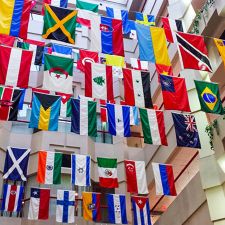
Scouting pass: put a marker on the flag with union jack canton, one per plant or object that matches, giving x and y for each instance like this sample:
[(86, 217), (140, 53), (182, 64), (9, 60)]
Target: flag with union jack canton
[(186, 130)]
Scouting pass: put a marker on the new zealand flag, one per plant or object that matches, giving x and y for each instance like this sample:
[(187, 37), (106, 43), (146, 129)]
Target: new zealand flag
[(186, 130)]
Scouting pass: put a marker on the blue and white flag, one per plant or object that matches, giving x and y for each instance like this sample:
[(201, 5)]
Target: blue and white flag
[(16, 162), (81, 170), (119, 120), (65, 206), (61, 50), (117, 209), (119, 14), (134, 116)]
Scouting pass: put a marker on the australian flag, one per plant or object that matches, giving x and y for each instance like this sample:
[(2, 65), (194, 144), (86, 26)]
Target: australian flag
[(186, 130)]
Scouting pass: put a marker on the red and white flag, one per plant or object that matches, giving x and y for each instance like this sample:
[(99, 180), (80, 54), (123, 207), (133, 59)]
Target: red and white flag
[(15, 66), (7, 40), (136, 177), (98, 81), (137, 64)]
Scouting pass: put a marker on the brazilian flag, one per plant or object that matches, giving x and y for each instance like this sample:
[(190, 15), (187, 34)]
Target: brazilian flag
[(209, 97), (45, 112), (59, 24)]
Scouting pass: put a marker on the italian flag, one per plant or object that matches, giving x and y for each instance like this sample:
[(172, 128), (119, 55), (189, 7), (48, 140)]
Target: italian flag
[(49, 167), (153, 126), (107, 170)]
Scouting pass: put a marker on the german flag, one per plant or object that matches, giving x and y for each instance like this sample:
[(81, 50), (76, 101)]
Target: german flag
[(59, 24), (45, 112)]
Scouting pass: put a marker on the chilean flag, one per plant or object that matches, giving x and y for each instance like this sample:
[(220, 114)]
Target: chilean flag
[(164, 179)]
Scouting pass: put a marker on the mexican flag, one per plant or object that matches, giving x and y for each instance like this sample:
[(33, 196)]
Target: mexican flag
[(107, 170), (58, 74)]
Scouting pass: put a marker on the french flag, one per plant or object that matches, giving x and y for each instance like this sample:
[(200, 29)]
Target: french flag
[(164, 179)]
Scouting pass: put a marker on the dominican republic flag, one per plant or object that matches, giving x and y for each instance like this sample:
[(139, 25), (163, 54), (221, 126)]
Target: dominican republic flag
[(12, 198), (121, 15), (193, 52), (15, 66), (137, 64), (164, 179), (58, 3), (7, 40), (141, 210), (84, 117), (39, 204), (136, 177), (137, 88), (81, 170), (65, 109), (117, 208), (170, 27), (16, 162), (99, 81), (153, 126), (107, 35), (119, 120), (65, 206), (174, 93)]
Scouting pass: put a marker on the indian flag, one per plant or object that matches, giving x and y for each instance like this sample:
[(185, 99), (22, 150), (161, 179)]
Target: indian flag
[(49, 167), (153, 126), (107, 170)]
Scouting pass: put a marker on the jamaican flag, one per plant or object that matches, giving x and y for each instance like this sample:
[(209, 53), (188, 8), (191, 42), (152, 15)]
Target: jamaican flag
[(59, 24), (45, 112)]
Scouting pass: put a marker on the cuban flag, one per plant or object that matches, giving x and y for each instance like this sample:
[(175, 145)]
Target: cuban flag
[(12, 198), (141, 210), (117, 209), (164, 179), (119, 120)]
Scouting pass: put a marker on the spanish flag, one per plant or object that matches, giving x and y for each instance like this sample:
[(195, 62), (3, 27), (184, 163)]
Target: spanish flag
[(45, 112), (91, 206)]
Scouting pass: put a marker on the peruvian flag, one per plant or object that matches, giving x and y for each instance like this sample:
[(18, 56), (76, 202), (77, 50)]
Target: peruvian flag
[(15, 66), (137, 64), (136, 177), (98, 81)]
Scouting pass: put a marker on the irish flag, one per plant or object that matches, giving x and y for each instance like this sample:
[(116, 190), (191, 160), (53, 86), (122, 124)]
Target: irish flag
[(49, 167), (153, 126), (107, 170)]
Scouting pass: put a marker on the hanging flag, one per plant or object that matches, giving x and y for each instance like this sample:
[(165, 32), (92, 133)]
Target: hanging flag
[(7, 40), (81, 170), (65, 108), (65, 206), (45, 112), (106, 35), (170, 27), (121, 15), (39, 204), (186, 130), (137, 64), (15, 16), (15, 66), (86, 56), (16, 162), (91, 206), (58, 3), (98, 81), (132, 30), (163, 69), (62, 51), (58, 74), (220, 44), (87, 6), (174, 93), (119, 120), (10, 99), (117, 209), (209, 97), (59, 24), (107, 171), (193, 52), (12, 198), (152, 45), (83, 17), (137, 88), (84, 117), (103, 110), (136, 177), (148, 20), (115, 60), (153, 126), (133, 114), (141, 210), (164, 179), (49, 167)]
